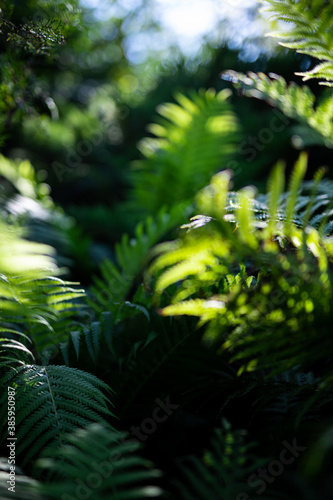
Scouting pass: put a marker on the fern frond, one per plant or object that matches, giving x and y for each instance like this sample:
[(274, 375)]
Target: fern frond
[(192, 142), (223, 470), (113, 459), (311, 32), (32, 301), (111, 290), (90, 335), (311, 208), (43, 307), (52, 400), (14, 351), (243, 316), (21, 264), (53, 305), (294, 101)]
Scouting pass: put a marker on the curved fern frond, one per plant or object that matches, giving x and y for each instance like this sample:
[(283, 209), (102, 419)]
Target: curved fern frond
[(13, 351), (101, 461), (311, 32), (20, 263), (50, 401), (33, 304), (42, 307), (294, 101), (118, 278), (59, 303), (192, 142)]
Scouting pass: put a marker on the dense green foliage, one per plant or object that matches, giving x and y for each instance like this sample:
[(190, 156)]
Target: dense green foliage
[(195, 361)]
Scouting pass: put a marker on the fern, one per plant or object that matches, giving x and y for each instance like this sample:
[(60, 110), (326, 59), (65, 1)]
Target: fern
[(51, 400), (42, 307), (34, 302), (25, 202), (63, 302), (222, 472), (244, 317), (191, 143), (101, 461), (295, 101), (95, 336), (286, 398), (96, 460), (311, 32), (118, 278), (12, 350), (21, 262), (312, 206)]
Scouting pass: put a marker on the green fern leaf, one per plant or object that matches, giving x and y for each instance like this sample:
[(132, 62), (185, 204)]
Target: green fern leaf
[(194, 139), (293, 100), (118, 278), (52, 400), (223, 470), (311, 33), (122, 474)]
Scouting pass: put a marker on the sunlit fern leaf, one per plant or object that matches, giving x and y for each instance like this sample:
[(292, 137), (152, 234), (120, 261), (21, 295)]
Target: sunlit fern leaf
[(52, 400), (55, 303), (20, 257), (25, 203), (110, 455), (22, 265), (244, 319), (245, 218), (306, 206), (310, 34), (33, 303), (195, 137), (22, 175), (12, 349)]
